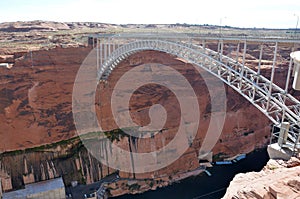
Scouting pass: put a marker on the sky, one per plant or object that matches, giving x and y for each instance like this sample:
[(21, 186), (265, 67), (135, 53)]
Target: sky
[(237, 13)]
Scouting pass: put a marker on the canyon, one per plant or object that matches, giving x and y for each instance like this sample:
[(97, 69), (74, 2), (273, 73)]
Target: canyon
[(38, 138)]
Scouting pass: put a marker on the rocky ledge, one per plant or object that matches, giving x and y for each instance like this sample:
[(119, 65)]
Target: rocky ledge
[(278, 179)]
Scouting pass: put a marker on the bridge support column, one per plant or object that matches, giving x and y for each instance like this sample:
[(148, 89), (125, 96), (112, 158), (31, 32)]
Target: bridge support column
[(237, 55), (203, 44), (280, 150), (272, 76), (243, 64), (109, 49), (283, 135), (105, 52), (97, 56), (221, 50), (259, 62), (101, 53)]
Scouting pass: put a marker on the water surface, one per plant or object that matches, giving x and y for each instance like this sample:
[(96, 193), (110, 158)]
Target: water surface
[(203, 186)]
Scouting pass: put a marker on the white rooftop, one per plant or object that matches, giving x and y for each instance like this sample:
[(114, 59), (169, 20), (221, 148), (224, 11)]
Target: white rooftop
[(34, 188)]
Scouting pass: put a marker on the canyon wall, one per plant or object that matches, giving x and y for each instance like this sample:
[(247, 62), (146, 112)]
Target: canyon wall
[(36, 97), (36, 109)]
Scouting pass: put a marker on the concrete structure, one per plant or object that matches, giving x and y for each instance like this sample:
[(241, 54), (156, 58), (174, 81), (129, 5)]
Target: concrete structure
[(284, 148), (277, 152), (42, 190), (296, 57), (283, 134)]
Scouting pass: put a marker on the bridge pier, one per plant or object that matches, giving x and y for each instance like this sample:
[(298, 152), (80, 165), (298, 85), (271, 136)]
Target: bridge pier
[(282, 149), (277, 152)]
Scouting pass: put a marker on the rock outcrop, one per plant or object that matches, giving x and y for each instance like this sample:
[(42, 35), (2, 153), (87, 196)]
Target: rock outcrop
[(278, 179)]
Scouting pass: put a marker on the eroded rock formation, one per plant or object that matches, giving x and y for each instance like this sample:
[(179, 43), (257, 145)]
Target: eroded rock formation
[(278, 179)]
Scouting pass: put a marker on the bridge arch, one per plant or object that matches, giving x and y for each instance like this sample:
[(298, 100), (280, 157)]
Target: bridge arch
[(269, 98)]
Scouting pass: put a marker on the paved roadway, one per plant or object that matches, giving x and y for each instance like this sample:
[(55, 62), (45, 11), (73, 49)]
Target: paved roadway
[(79, 191)]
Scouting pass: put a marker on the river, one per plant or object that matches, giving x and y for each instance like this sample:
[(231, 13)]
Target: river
[(203, 186)]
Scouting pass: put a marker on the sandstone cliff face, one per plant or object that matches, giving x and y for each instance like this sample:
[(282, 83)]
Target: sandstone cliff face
[(35, 108), (241, 133), (35, 98), (278, 179)]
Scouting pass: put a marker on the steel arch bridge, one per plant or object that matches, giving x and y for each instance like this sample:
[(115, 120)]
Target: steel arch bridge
[(276, 103)]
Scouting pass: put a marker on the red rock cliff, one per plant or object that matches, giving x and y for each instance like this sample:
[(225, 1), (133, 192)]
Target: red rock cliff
[(36, 97)]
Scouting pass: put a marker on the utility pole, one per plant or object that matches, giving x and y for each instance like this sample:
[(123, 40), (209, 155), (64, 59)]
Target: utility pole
[(296, 24)]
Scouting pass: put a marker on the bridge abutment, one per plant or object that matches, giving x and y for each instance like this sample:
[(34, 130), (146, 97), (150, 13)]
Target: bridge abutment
[(275, 151)]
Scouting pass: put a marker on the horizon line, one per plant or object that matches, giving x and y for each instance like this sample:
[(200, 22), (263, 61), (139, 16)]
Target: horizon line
[(179, 24)]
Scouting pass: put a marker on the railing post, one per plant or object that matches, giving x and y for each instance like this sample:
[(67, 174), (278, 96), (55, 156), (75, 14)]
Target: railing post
[(272, 77), (259, 62)]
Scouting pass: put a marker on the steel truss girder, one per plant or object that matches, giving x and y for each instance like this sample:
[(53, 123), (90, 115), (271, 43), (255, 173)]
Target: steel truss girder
[(278, 105)]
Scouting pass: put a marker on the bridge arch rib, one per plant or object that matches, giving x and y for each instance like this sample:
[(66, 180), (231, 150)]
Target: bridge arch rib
[(269, 98)]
